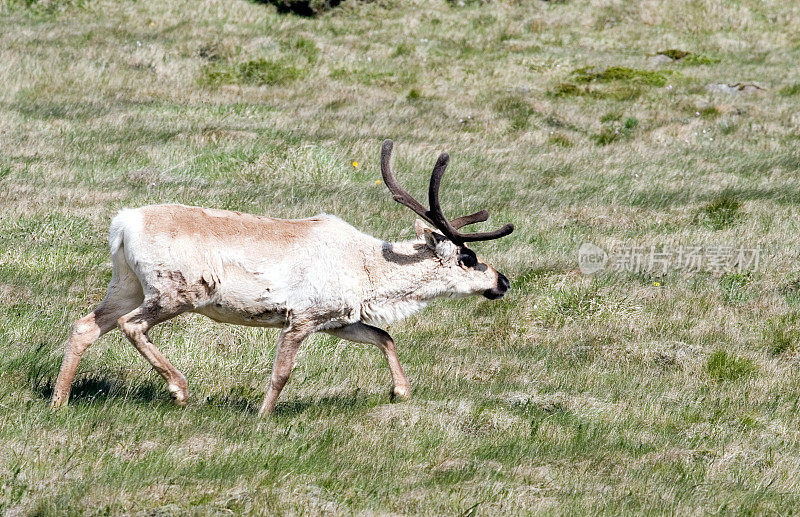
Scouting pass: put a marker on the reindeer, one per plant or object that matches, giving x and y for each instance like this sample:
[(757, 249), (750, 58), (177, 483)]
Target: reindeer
[(304, 276)]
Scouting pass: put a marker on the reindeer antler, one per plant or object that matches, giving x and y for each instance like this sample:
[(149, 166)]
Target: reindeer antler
[(398, 192), (435, 216)]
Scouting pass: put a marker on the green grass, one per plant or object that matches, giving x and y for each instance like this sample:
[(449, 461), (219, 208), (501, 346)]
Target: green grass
[(790, 90), (516, 110), (721, 212), (724, 367), (255, 72), (623, 393), (781, 335)]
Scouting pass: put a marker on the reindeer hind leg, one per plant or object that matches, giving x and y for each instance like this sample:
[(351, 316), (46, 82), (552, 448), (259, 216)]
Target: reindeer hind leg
[(124, 294)]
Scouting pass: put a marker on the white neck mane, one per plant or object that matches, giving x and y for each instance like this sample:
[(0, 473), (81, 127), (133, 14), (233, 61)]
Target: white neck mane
[(398, 291)]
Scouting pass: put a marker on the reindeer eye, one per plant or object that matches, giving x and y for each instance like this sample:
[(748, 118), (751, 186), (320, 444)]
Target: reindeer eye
[(468, 260)]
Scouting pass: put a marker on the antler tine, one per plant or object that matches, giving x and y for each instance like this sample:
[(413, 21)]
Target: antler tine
[(446, 226), (398, 193), (464, 220), (488, 236), (439, 219)]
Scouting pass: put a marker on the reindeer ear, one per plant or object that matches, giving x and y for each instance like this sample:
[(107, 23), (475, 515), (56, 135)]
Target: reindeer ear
[(441, 245), (432, 238), (419, 228)]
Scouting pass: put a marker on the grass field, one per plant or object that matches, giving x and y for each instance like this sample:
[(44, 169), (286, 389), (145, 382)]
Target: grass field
[(608, 394)]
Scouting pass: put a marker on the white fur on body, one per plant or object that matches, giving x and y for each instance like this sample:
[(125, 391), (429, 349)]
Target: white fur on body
[(336, 269), (308, 275)]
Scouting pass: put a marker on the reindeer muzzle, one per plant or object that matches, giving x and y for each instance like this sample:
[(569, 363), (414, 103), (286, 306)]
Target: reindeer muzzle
[(500, 289)]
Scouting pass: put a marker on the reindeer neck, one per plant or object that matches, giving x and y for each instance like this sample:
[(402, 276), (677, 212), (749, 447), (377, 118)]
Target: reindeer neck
[(402, 270)]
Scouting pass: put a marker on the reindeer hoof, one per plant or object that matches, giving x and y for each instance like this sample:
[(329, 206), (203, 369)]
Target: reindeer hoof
[(57, 403), (400, 394), (179, 395)]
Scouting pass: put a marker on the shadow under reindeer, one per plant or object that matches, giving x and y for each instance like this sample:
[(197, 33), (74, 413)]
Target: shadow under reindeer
[(39, 366), (103, 386), (106, 386), (241, 399)]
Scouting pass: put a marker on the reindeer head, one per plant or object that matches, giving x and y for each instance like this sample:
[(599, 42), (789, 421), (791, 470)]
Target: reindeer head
[(471, 275)]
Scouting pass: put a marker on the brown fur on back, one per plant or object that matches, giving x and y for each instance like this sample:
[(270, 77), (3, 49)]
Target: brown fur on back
[(213, 224)]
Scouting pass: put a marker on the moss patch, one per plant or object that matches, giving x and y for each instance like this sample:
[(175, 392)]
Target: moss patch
[(255, 71), (618, 92), (674, 53), (700, 59), (621, 74)]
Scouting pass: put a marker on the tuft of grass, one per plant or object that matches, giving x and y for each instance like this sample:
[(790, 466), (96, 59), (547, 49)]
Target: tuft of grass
[(403, 49), (790, 90), (623, 74), (263, 71), (560, 139), (782, 334), (606, 136), (567, 89), (615, 130), (483, 20), (253, 72), (377, 74), (516, 110), (708, 111), (45, 7), (567, 303), (727, 127), (616, 92), (304, 47), (688, 58), (721, 367), (212, 51), (734, 287), (720, 213)]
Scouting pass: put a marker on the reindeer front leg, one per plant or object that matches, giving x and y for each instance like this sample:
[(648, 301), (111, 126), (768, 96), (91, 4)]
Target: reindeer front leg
[(288, 343), (362, 333)]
